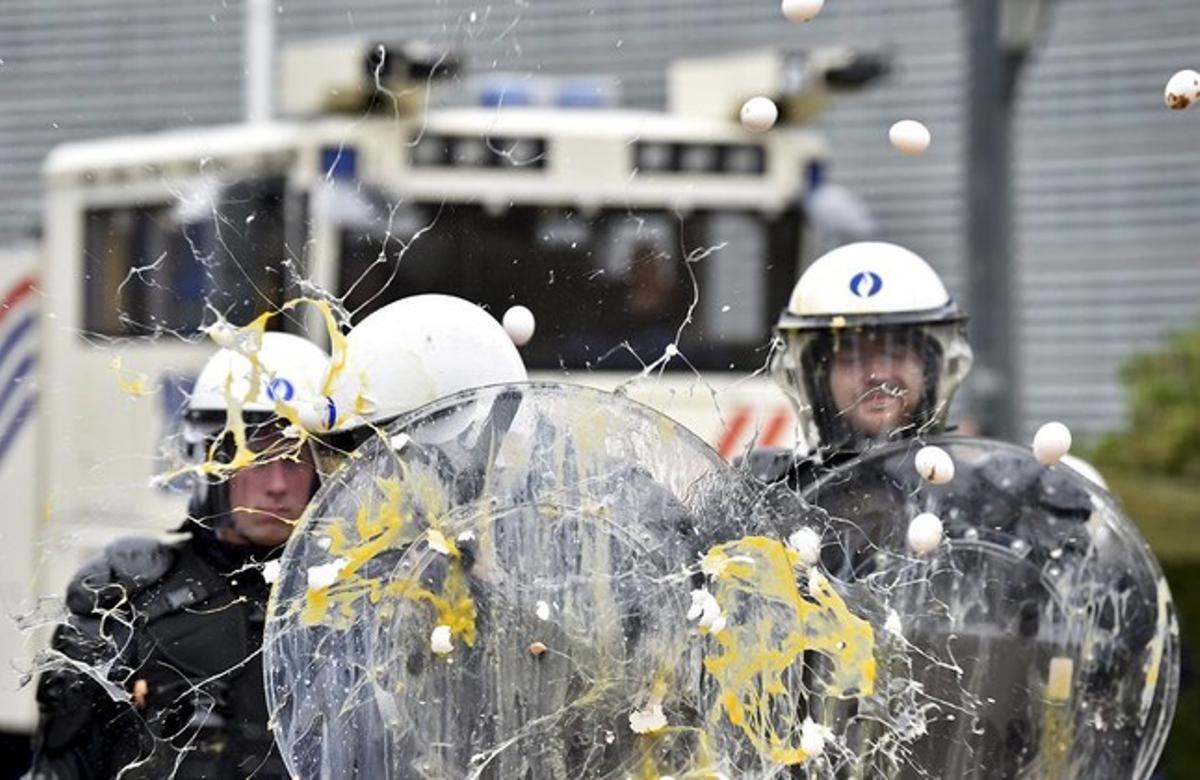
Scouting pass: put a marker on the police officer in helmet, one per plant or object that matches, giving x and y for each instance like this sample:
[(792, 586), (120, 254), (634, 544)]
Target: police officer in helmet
[(157, 672), (872, 349)]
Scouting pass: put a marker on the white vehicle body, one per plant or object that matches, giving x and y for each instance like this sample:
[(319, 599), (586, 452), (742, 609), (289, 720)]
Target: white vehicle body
[(119, 339)]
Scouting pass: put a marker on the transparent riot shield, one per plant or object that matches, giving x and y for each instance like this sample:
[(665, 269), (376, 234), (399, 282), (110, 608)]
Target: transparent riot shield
[(1040, 637), (500, 584)]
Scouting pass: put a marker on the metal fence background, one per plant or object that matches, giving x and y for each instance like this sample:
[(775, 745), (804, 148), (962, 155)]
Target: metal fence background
[(1107, 183)]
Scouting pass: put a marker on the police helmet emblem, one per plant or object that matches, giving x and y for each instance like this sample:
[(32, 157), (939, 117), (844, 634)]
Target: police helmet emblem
[(864, 284), (280, 389)]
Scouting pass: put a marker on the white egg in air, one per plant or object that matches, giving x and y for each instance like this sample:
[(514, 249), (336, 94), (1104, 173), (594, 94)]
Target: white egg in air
[(801, 10), (223, 334), (519, 325), (325, 574), (934, 465), (759, 114), (1051, 442), (813, 737), (1182, 90), (807, 544), (439, 640), (648, 720), (909, 136), (924, 533)]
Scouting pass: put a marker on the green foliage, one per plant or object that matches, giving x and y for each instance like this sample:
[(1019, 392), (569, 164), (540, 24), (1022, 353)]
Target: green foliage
[(1182, 754), (1153, 466), (1163, 435), (1166, 509)]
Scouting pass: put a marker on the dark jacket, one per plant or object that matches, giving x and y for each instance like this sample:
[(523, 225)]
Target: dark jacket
[(158, 667)]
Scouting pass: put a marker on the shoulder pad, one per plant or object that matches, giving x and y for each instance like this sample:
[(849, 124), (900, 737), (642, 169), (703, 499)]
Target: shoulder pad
[(770, 464), (126, 567), (1061, 493)]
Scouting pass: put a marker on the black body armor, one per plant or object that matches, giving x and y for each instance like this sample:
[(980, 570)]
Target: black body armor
[(158, 668)]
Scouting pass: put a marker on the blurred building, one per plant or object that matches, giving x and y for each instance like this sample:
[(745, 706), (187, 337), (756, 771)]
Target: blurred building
[(1107, 181)]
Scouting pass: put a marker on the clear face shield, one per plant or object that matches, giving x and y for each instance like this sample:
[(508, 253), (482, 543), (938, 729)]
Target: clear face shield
[(855, 386), (330, 451), (877, 380), (185, 454), (205, 454)]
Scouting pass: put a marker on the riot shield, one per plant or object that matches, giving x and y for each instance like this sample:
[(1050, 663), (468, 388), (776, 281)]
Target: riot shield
[(1040, 635), (548, 581)]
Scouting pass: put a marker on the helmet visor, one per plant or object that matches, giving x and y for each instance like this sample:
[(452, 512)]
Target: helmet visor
[(871, 384)]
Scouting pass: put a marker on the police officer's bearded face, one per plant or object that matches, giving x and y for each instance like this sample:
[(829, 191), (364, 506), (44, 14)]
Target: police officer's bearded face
[(877, 380), (267, 498)]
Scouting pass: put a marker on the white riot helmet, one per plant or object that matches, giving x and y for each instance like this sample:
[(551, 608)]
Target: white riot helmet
[(413, 351), (284, 376), (286, 371), (855, 306)]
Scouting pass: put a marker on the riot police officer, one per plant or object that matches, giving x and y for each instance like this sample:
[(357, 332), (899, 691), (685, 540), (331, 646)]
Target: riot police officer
[(156, 671), (872, 349)]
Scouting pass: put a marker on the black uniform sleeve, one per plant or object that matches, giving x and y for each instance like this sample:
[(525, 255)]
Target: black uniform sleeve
[(88, 726), (77, 714)]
